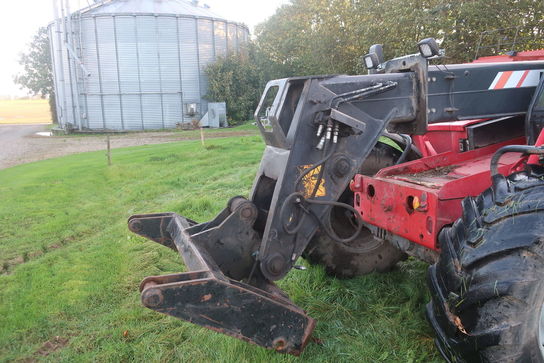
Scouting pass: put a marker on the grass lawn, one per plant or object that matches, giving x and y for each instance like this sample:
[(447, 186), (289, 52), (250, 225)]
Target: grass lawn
[(24, 112), (71, 269)]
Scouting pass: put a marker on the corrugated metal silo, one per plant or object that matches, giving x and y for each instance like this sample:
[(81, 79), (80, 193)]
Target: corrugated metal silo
[(137, 64)]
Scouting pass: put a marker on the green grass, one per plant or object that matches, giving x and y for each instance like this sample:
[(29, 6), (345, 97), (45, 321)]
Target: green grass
[(73, 268)]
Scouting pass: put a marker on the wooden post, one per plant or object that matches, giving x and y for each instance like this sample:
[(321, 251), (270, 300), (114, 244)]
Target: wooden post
[(108, 142), (202, 137)]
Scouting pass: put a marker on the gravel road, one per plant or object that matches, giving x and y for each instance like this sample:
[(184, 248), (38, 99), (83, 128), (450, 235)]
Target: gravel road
[(19, 144), (15, 143)]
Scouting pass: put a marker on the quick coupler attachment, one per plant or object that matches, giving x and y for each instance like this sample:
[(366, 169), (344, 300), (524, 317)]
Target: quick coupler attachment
[(223, 290)]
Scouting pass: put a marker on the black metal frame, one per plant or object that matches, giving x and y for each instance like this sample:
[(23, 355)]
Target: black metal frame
[(258, 313)]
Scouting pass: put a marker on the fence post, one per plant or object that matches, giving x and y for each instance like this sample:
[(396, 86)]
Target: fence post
[(108, 145)]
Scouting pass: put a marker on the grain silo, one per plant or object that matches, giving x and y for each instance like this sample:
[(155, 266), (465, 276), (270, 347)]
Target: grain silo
[(137, 64)]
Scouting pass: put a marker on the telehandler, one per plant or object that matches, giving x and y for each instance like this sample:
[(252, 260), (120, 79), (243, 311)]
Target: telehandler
[(441, 162)]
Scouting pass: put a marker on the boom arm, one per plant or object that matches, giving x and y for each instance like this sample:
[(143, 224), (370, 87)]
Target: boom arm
[(313, 151)]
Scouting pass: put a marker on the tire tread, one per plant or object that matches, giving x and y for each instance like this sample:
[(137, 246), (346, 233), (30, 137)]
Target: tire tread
[(484, 286)]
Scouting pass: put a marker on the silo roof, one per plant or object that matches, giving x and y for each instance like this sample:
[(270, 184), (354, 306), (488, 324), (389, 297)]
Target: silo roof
[(177, 7)]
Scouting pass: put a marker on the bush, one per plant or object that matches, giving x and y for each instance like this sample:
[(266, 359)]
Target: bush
[(239, 79)]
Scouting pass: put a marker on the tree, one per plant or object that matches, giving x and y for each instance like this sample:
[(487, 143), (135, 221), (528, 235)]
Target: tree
[(466, 20), (330, 36), (37, 75), (238, 79)]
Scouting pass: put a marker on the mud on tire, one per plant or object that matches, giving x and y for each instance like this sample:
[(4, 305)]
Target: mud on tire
[(488, 285), (367, 253)]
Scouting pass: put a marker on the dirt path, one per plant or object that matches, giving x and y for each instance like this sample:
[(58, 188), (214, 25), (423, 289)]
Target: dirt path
[(19, 144), (14, 143)]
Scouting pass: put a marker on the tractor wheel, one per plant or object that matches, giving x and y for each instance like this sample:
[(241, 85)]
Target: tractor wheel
[(367, 253), (488, 284)]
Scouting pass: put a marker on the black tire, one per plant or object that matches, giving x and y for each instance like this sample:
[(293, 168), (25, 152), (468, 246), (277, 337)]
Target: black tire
[(367, 253), (488, 285)]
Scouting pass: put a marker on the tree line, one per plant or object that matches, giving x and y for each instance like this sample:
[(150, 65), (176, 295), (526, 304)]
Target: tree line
[(306, 37)]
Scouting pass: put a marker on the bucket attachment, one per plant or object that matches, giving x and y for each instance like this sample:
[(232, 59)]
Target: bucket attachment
[(224, 290)]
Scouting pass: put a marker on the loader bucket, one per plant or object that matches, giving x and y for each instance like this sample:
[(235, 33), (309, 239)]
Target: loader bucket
[(218, 256)]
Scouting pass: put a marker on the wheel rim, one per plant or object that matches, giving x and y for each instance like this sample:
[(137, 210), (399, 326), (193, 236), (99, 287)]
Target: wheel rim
[(541, 331)]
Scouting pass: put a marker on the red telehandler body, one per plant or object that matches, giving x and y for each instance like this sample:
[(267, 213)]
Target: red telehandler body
[(443, 163)]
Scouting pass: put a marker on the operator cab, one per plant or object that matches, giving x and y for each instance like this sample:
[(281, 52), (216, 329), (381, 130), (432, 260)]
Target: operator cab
[(535, 117)]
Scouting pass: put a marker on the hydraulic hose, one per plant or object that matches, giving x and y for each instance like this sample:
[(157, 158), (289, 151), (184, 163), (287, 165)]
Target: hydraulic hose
[(407, 149)]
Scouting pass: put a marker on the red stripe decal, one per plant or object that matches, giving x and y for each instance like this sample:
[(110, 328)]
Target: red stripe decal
[(504, 78), (525, 74)]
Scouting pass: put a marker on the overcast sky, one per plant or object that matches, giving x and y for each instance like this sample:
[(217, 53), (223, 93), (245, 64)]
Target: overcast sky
[(20, 19)]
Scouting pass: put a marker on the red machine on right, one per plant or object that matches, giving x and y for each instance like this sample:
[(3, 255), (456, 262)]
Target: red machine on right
[(472, 202), (441, 162)]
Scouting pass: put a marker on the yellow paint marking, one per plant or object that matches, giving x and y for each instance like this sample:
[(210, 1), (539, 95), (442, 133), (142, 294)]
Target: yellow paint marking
[(310, 180)]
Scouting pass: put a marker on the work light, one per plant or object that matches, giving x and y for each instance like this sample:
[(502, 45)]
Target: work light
[(428, 48), (371, 61)]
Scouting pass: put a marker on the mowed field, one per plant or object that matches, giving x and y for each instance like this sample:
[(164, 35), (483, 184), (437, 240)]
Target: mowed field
[(24, 112), (70, 269)]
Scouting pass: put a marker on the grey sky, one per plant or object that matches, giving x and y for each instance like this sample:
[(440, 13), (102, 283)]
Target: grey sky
[(20, 19)]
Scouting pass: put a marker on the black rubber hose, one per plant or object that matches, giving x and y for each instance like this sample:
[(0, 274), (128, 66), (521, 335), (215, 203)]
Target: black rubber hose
[(284, 217), (524, 149), (328, 228), (407, 149)]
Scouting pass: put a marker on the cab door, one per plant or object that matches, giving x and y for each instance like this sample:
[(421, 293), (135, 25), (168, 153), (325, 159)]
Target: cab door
[(535, 117)]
